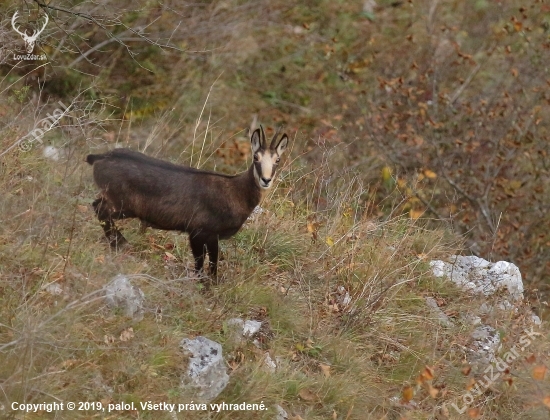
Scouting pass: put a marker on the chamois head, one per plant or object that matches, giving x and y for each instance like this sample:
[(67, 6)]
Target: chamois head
[(266, 158)]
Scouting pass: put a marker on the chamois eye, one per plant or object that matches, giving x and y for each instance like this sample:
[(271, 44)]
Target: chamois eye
[(256, 158), (278, 159)]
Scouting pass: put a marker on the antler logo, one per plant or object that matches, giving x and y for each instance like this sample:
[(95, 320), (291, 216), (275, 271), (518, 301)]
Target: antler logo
[(29, 40)]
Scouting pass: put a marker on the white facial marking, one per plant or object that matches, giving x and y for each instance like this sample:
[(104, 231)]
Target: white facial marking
[(267, 161)]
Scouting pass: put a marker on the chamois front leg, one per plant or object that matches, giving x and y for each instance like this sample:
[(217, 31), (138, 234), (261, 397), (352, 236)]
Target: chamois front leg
[(212, 248), (105, 217), (200, 245), (143, 227)]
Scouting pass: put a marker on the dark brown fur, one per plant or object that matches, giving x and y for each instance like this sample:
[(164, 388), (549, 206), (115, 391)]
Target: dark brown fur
[(207, 205)]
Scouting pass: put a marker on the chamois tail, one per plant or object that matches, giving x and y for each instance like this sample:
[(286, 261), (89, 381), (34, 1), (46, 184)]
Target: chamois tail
[(92, 158)]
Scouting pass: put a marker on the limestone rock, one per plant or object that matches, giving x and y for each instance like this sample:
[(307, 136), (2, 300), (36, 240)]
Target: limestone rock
[(481, 276), (206, 373), (121, 293)]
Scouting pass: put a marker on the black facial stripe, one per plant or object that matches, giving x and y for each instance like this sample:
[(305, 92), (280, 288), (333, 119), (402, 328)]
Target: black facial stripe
[(258, 166)]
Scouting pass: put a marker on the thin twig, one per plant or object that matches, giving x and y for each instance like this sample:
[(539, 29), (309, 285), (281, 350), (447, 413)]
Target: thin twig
[(472, 200), (464, 85), (200, 117)]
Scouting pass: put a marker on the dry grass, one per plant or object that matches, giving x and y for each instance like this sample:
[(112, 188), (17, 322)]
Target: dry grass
[(291, 268)]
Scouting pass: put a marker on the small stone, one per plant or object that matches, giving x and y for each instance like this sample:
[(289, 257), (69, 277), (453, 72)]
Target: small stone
[(251, 327), (485, 345), (51, 152), (269, 363), (281, 414), (242, 329), (206, 373), (436, 310), (53, 289), (120, 293)]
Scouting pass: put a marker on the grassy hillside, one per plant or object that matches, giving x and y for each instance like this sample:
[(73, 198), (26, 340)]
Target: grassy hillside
[(417, 131)]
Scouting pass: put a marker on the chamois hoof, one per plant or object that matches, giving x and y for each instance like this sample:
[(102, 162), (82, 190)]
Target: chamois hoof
[(119, 243)]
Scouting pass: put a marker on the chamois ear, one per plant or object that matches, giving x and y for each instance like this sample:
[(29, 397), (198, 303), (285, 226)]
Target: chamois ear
[(255, 140), (281, 147)]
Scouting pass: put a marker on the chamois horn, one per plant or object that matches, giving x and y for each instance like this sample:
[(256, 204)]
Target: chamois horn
[(274, 139)]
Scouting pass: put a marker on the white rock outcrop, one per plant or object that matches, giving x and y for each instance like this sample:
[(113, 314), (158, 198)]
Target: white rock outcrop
[(481, 276), (500, 281), (206, 373)]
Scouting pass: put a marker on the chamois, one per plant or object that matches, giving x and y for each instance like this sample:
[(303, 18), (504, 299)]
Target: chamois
[(207, 205)]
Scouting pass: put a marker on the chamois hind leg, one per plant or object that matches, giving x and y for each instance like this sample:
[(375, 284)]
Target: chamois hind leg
[(106, 219)]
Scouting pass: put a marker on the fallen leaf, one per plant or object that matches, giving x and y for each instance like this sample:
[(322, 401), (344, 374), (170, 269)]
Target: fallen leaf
[(474, 413), (433, 391), (408, 393), (418, 140), (329, 241), (531, 359), (415, 214), (546, 401), (401, 183), (67, 364), (307, 395), (466, 370), (169, 256), (325, 369), (539, 372), (430, 174), (127, 334), (233, 365), (82, 209), (428, 373), (386, 173)]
